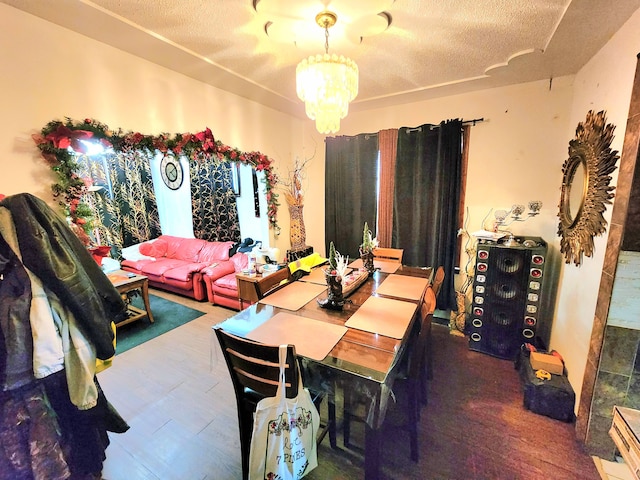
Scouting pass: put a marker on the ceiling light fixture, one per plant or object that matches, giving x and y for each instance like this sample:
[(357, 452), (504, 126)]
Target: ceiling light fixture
[(327, 83)]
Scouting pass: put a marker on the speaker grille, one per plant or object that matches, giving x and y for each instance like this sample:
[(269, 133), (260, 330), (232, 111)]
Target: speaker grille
[(507, 290)]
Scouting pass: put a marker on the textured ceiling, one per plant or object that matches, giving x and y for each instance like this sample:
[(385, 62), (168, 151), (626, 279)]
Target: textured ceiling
[(416, 49)]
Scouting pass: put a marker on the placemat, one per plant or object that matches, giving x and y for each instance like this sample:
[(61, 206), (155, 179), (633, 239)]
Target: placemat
[(294, 296), (403, 286), (316, 276), (384, 316), (384, 267), (313, 339)]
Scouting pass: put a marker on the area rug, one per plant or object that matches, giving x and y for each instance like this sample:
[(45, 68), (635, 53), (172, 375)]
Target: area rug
[(167, 315)]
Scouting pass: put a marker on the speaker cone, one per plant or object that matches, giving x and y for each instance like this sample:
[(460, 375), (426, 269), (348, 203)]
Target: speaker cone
[(502, 319), (509, 263)]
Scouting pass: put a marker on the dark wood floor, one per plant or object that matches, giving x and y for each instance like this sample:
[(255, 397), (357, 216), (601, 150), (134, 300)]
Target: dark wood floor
[(177, 396)]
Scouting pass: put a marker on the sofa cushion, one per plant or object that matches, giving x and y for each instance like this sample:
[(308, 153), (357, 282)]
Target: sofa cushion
[(183, 272), (137, 265), (240, 261), (226, 285), (214, 251), (217, 270), (183, 248), (161, 266), (132, 252), (155, 249)]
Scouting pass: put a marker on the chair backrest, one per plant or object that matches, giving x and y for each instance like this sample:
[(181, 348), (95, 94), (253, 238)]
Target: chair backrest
[(255, 374), (273, 282), (388, 254), (255, 368), (418, 354), (437, 280)]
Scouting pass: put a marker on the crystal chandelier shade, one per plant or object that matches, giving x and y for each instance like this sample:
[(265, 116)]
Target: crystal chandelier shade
[(327, 83)]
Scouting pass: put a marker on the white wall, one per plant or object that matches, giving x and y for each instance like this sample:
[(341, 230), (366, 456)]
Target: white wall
[(605, 83), (49, 73)]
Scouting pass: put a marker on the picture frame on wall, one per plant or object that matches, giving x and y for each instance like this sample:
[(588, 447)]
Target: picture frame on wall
[(235, 179)]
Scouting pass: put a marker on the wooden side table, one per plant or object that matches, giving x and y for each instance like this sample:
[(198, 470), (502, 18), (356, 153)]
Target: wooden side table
[(253, 288), (126, 282)]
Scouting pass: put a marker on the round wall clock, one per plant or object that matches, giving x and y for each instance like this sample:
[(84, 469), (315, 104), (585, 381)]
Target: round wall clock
[(171, 171)]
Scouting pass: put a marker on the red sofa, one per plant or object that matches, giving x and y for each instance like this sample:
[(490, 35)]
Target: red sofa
[(176, 264), (220, 281)]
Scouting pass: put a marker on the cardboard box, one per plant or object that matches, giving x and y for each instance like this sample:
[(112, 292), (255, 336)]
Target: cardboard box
[(545, 361)]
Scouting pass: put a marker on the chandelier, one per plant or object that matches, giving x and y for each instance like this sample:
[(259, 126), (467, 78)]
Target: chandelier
[(327, 83)]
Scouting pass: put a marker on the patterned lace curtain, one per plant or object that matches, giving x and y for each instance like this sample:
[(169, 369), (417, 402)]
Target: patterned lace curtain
[(213, 202), (132, 185), (100, 199), (122, 198)]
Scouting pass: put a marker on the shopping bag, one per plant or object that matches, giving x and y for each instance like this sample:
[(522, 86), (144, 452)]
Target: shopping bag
[(283, 444)]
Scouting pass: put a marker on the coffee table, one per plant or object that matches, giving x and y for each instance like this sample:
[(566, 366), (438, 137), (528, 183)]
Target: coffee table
[(126, 282)]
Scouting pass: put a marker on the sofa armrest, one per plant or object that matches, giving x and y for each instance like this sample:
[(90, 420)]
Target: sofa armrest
[(218, 269)]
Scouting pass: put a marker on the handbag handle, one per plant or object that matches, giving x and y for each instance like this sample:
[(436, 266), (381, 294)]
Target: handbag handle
[(281, 393)]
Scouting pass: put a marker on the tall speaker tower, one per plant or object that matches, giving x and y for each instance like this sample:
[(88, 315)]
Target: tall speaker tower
[(508, 291)]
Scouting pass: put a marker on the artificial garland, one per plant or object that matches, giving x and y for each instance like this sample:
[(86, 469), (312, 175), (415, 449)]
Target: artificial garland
[(58, 141)]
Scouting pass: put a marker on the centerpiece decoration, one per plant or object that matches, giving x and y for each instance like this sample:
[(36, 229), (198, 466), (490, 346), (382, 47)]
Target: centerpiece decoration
[(366, 249), (333, 275)]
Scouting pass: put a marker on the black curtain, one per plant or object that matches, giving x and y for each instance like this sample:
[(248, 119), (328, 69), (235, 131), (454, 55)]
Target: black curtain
[(350, 190), (427, 199)]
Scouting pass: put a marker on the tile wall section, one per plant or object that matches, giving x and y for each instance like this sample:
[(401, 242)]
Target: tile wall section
[(612, 374)]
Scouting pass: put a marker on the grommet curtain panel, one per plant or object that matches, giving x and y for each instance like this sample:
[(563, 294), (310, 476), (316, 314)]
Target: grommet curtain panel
[(428, 180), (350, 190)]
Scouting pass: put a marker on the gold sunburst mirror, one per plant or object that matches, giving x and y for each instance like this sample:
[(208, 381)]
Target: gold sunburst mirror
[(585, 187)]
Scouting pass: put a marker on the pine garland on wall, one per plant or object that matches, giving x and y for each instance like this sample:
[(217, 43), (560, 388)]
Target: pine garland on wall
[(58, 141)]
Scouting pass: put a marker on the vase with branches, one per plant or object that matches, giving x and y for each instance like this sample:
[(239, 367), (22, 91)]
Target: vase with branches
[(369, 243), (333, 275), (294, 195)]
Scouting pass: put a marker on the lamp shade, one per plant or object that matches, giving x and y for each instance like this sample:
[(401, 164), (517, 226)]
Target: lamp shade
[(326, 84)]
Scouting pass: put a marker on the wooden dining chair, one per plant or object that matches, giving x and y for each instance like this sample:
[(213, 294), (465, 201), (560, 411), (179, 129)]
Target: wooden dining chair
[(273, 282), (255, 372), (427, 308), (404, 412), (438, 278), (388, 254)]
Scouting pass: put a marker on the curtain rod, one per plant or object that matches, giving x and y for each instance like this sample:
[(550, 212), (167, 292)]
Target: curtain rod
[(473, 122), (464, 122)]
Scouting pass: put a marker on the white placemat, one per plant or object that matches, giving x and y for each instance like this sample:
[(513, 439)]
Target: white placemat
[(313, 338), (403, 286), (294, 296), (384, 316), (384, 267), (315, 276)]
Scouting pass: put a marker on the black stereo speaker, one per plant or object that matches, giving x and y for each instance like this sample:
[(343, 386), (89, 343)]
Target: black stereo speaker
[(507, 296)]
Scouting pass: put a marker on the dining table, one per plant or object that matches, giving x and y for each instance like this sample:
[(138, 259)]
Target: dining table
[(357, 347)]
